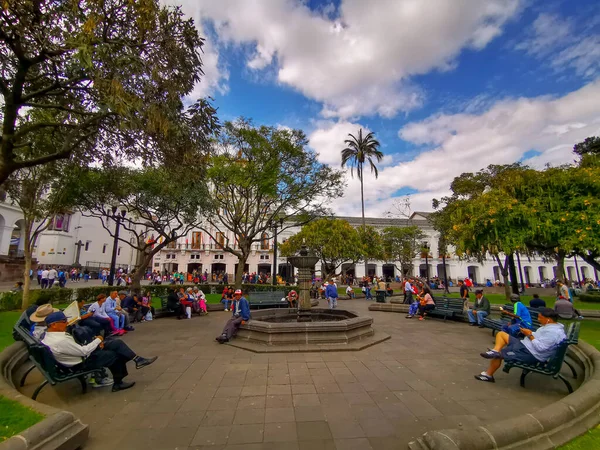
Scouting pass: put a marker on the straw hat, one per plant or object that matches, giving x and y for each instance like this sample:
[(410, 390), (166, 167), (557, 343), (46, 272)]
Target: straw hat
[(42, 312)]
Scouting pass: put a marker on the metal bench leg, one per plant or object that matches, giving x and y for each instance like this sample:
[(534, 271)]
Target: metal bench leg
[(570, 367), (569, 387), (83, 383), (25, 375), (523, 375), (39, 388)]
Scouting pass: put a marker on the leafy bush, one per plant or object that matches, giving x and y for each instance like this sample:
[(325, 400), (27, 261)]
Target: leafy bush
[(248, 288), (592, 297), (10, 301)]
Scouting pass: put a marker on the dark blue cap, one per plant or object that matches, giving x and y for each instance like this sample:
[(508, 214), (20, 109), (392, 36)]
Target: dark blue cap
[(55, 317)]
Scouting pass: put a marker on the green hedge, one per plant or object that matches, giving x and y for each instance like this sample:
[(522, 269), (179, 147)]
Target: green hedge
[(590, 297)]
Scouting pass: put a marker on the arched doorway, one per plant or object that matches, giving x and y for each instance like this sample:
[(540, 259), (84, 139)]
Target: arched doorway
[(497, 273), (441, 273), (527, 274), (584, 273), (349, 269), (571, 273), (389, 272), (217, 269), (17, 237), (543, 272), (425, 270), (372, 270), (195, 266), (264, 268), (473, 273)]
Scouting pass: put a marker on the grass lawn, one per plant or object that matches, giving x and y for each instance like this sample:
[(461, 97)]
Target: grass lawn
[(500, 299), (15, 417), (587, 441), (7, 321)]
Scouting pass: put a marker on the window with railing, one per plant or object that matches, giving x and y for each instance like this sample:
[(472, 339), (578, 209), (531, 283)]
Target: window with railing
[(197, 240), (172, 244)]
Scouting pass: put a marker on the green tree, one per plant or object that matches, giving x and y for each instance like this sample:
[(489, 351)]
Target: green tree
[(112, 75), (403, 244), (334, 241), (360, 150), (261, 176), (161, 204)]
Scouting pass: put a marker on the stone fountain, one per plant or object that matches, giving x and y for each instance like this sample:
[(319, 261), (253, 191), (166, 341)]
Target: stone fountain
[(306, 328), (305, 264)]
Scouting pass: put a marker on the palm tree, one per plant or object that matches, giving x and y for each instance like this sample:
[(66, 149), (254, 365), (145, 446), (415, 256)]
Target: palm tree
[(358, 151)]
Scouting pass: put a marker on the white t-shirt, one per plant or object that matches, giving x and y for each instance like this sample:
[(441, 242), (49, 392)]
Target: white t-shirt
[(98, 310), (52, 274), (349, 290), (407, 287), (44, 274)]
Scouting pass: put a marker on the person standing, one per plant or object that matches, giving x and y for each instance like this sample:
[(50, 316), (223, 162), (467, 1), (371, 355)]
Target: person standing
[(464, 293), (480, 310), (408, 292), (44, 278), (331, 294), (52, 274)]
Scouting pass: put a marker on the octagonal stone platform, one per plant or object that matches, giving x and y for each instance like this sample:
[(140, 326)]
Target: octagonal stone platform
[(276, 330)]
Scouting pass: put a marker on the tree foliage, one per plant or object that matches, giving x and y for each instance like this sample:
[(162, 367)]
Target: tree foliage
[(403, 244), (260, 176), (111, 74), (161, 204)]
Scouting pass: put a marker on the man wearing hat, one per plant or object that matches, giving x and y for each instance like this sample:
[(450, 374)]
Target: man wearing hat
[(241, 313), (537, 346), (520, 317), (480, 310), (38, 320), (113, 354)]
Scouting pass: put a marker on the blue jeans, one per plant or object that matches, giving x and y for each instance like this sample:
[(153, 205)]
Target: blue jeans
[(118, 320), (226, 303), (332, 302), (480, 316), (513, 328), (368, 295)]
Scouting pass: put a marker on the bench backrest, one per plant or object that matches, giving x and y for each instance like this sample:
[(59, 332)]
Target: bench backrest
[(535, 323), (44, 360), (449, 303), (23, 333), (266, 296), (573, 332), (555, 363)]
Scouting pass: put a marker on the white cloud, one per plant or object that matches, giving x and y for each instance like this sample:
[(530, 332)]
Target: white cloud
[(360, 60), (565, 44), (328, 140), (464, 142)]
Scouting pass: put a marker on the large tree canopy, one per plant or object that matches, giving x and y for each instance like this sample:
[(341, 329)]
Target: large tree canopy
[(260, 176), (161, 205), (403, 244), (110, 73)]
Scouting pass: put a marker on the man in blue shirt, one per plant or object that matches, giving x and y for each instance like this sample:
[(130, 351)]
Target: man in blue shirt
[(331, 294), (241, 314), (537, 346), (520, 317)]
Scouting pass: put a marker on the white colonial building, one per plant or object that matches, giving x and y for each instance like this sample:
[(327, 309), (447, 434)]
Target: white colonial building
[(58, 244), (199, 252)]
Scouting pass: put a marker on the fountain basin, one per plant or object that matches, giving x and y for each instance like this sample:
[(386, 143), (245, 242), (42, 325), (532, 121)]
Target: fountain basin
[(272, 330)]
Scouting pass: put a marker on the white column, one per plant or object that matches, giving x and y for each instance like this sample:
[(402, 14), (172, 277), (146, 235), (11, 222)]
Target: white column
[(5, 241), (359, 270)]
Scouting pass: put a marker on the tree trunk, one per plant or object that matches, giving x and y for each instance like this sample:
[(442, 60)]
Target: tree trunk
[(362, 202), (560, 268), (512, 271), (28, 250), (239, 273), (504, 273)]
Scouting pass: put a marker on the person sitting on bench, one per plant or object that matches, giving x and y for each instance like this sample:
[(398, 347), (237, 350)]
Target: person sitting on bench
[(520, 317), (537, 346), (426, 302), (113, 354), (241, 313)]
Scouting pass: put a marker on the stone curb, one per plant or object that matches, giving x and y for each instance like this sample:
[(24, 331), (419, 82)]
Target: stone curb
[(547, 428), (60, 430)]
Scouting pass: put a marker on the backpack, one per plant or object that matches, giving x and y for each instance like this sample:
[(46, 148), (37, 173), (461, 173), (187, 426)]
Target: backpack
[(82, 334)]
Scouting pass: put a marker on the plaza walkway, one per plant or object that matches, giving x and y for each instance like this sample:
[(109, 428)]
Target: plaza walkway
[(200, 394)]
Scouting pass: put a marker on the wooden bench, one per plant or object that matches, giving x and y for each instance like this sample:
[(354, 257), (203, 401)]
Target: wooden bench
[(552, 366), (447, 307), (43, 359), (267, 299), (497, 324)]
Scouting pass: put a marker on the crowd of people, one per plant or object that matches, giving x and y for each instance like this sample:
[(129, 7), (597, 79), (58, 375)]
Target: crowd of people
[(185, 302), (91, 341)]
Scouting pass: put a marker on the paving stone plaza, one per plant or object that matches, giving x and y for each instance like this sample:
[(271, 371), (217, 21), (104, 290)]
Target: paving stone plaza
[(202, 395)]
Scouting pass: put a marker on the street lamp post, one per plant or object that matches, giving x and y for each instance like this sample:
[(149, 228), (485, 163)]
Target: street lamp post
[(113, 261), (274, 275)]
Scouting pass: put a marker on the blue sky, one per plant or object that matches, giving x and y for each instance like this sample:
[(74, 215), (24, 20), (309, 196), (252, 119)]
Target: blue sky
[(447, 85)]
